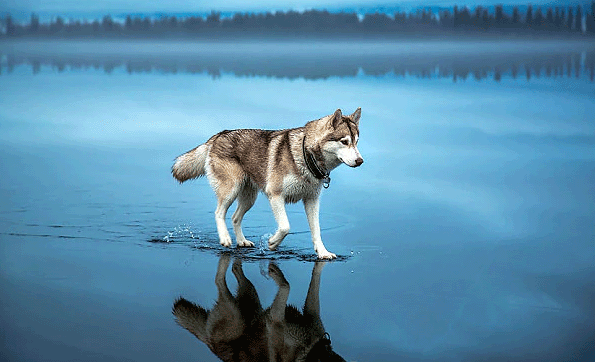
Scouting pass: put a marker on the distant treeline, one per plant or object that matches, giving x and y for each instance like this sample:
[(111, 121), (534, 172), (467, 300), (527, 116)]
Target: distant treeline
[(321, 22)]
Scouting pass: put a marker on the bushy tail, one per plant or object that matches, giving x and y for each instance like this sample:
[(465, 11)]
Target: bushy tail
[(191, 164), (192, 317)]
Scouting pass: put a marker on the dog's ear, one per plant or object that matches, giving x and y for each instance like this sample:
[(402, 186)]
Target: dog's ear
[(356, 115), (336, 118)]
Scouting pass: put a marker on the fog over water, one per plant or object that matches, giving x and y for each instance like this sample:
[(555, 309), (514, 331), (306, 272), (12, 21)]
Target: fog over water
[(315, 59)]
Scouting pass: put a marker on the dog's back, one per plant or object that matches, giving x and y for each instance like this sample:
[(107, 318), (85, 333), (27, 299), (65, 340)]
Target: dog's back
[(247, 149)]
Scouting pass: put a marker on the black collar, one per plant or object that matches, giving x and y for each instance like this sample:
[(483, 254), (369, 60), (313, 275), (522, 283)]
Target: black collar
[(322, 348), (316, 170)]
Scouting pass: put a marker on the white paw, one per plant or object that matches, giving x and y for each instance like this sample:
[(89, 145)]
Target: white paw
[(225, 241), (275, 241), (326, 255), (273, 245), (245, 243), (277, 275)]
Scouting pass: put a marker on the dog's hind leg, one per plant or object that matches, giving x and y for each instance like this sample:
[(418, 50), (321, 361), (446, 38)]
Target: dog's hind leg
[(225, 319), (246, 198), (247, 296), (278, 206), (223, 204), (226, 190)]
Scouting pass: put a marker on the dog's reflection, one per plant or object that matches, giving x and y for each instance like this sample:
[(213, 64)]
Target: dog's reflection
[(237, 328)]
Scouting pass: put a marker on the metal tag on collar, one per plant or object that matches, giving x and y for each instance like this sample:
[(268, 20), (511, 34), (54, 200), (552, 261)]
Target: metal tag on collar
[(326, 181)]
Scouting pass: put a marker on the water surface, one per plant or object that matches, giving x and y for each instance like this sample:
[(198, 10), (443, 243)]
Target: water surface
[(466, 235)]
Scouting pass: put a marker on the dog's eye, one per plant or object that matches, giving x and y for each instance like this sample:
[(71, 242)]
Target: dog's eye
[(345, 142)]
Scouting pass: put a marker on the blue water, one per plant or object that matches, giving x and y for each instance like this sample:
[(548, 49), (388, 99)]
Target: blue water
[(467, 234)]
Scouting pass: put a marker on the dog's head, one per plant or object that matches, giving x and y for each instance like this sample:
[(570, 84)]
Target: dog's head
[(343, 137)]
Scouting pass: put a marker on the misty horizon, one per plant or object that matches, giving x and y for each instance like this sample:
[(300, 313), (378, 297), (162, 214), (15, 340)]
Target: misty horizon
[(457, 60)]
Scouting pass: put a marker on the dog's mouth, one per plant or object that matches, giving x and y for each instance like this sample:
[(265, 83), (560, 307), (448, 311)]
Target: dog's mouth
[(358, 162), (350, 161)]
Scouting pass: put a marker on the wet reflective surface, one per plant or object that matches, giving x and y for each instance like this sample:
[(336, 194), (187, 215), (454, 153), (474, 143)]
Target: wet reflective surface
[(458, 60), (239, 328), (466, 235)]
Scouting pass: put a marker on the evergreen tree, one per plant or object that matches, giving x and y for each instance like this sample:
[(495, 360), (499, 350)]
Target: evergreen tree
[(516, 18), (107, 23), (538, 21), (549, 19), (570, 20), (446, 19), (214, 19), (10, 27), (465, 17), (529, 17), (173, 22), (57, 26), (485, 19), (499, 16), (378, 22), (34, 25), (591, 19), (194, 22), (557, 19), (579, 19), (477, 17)]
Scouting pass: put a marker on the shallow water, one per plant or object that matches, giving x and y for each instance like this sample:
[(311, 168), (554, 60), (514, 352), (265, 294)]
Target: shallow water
[(467, 234)]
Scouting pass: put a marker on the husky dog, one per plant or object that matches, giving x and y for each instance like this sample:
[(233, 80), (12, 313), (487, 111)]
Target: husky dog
[(237, 328), (287, 165)]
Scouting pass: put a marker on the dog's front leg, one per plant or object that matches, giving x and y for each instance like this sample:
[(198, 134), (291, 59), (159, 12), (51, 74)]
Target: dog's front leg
[(312, 303), (276, 322), (312, 206), (278, 206), (277, 309)]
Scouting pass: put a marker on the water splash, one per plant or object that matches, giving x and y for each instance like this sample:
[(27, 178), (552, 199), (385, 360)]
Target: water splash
[(185, 234), (180, 233), (263, 244)]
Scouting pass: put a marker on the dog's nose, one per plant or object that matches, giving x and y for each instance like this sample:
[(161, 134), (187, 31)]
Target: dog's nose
[(358, 161)]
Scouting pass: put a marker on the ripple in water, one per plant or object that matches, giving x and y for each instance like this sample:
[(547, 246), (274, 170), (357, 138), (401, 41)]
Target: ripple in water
[(184, 235)]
